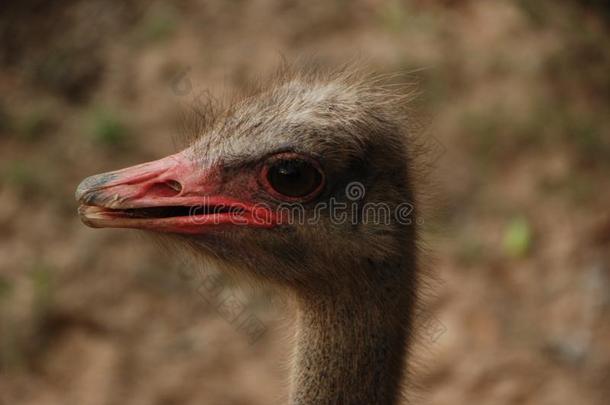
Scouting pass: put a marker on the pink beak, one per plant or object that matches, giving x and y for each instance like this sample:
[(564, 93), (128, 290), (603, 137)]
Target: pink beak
[(174, 194)]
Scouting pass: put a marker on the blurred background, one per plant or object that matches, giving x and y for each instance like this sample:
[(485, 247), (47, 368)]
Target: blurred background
[(515, 96)]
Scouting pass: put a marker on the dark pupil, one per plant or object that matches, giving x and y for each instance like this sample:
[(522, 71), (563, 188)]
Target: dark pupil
[(294, 178)]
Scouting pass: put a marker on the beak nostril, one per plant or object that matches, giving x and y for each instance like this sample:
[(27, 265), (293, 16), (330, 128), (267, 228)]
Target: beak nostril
[(173, 184), (170, 188)]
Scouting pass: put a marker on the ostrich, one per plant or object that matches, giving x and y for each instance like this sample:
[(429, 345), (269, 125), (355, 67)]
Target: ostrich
[(301, 141)]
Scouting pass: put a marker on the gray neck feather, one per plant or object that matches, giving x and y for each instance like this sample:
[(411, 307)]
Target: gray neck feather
[(351, 348)]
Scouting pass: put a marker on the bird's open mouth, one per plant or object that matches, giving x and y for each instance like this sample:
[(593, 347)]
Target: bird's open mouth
[(176, 219), (166, 212), (160, 196)]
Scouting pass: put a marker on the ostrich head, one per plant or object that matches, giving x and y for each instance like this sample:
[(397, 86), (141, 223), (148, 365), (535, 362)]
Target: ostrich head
[(309, 170)]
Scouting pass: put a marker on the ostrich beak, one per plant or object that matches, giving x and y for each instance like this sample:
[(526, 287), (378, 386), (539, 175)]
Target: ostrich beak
[(174, 194)]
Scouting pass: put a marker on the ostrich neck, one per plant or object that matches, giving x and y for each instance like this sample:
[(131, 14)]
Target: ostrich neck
[(351, 348)]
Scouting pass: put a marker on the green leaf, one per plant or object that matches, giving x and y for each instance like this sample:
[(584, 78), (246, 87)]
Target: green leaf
[(107, 128), (517, 238)]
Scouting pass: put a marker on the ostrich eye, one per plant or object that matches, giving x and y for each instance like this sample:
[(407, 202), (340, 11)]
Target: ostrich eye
[(293, 177)]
